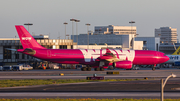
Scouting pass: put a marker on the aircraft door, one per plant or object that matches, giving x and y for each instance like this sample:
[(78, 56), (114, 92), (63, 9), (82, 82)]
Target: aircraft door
[(48, 53), (157, 55)]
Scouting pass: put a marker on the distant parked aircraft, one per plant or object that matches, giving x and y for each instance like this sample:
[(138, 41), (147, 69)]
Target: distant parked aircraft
[(174, 58), (99, 59)]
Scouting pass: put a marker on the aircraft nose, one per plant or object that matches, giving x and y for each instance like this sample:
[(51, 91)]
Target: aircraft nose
[(162, 57), (166, 58)]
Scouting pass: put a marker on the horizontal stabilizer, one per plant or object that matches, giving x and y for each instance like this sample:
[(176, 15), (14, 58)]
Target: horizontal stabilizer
[(11, 49), (30, 51)]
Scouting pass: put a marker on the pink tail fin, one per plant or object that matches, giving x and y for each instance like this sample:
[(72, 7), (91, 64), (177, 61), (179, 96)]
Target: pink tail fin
[(27, 40)]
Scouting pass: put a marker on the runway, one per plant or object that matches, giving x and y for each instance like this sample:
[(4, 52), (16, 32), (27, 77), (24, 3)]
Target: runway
[(119, 89), (78, 74), (75, 77)]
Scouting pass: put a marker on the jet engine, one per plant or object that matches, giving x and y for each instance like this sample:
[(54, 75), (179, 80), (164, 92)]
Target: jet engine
[(123, 64)]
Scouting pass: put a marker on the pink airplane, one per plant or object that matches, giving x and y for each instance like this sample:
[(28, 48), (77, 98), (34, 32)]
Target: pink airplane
[(99, 59)]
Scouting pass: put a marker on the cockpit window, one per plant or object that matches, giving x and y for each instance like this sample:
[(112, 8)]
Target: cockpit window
[(164, 55)]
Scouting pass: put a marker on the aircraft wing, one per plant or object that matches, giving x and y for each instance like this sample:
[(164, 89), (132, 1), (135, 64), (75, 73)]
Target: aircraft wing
[(108, 56)]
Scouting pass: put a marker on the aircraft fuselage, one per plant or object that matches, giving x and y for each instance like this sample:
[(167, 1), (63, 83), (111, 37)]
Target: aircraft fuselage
[(88, 56)]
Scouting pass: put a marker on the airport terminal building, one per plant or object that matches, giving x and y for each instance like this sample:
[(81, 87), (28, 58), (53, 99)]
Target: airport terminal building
[(112, 29), (149, 43), (110, 35), (126, 41), (166, 34)]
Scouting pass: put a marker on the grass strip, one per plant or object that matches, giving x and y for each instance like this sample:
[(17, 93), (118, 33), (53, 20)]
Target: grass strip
[(87, 99), (30, 82)]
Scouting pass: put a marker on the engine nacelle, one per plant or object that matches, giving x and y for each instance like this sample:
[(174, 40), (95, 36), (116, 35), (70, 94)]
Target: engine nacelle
[(123, 64)]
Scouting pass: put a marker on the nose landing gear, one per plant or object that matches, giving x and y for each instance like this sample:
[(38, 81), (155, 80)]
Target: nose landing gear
[(153, 68)]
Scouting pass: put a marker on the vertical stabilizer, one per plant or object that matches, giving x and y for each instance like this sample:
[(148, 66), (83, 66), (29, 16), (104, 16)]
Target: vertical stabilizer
[(177, 52), (26, 38)]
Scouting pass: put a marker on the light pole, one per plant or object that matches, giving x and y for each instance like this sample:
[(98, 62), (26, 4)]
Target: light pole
[(28, 24), (131, 22), (15, 48), (163, 85), (72, 28), (65, 28), (77, 30), (67, 36), (59, 37), (88, 34)]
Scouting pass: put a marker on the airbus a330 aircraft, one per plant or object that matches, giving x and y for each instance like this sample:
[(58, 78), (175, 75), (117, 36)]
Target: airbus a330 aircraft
[(99, 59)]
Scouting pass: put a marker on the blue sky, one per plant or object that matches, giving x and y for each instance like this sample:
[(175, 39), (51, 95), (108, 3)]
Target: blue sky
[(48, 16)]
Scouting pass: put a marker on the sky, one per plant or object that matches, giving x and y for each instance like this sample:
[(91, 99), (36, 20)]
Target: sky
[(48, 16)]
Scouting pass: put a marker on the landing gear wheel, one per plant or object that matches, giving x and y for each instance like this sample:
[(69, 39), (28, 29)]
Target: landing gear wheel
[(153, 68), (97, 69), (89, 69), (83, 69), (102, 69)]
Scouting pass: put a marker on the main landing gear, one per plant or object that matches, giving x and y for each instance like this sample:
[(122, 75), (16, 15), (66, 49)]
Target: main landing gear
[(99, 69), (88, 68)]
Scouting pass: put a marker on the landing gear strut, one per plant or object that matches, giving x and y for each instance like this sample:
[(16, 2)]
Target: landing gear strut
[(154, 67)]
